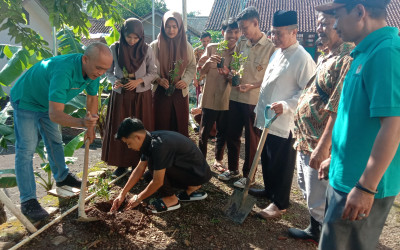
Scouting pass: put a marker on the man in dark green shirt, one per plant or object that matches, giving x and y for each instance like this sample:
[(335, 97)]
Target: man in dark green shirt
[(174, 162), (38, 98)]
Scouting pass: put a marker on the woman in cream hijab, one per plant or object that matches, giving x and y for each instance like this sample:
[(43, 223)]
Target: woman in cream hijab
[(171, 101)]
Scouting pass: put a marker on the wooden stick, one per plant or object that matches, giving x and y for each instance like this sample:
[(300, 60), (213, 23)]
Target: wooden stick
[(30, 237), (15, 211)]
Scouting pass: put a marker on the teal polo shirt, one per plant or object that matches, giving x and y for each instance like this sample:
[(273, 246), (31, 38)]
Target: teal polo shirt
[(371, 90), (56, 79)]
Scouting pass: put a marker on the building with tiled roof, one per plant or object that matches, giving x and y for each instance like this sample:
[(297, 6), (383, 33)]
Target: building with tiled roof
[(197, 23), (98, 30), (305, 10)]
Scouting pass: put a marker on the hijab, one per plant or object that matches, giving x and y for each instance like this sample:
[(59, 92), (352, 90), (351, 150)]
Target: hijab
[(131, 57), (172, 50)]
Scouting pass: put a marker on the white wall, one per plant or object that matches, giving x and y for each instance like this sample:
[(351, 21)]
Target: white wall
[(39, 22)]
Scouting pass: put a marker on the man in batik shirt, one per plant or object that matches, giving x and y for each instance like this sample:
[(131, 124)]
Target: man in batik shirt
[(314, 119)]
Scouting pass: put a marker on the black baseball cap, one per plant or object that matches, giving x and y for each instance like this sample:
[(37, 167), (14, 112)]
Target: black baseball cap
[(341, 3)]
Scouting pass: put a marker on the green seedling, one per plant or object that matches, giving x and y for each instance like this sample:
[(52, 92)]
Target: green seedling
[(237, 67), (101, 187), (173, 74), (221, 47)]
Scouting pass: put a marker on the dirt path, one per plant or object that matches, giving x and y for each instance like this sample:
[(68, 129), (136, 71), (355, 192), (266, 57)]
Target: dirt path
[(199, 225)]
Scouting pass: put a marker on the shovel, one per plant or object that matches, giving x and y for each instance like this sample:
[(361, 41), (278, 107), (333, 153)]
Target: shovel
[(82, 195), (240, 204)]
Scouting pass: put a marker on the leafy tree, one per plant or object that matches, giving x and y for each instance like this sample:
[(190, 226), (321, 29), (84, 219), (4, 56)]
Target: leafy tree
[(63, 15), (139, 7), (216, 37), (193, 13)]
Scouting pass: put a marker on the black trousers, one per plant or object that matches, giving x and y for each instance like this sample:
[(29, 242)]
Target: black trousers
[(278, 159), (208, 118), (177, 179), (241, 115)]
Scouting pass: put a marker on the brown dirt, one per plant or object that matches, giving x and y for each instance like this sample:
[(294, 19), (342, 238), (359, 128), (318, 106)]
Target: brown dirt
[(196, 225), (127, 222)]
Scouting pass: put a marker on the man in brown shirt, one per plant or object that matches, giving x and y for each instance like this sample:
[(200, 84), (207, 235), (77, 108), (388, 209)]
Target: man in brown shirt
[(216, 92), (258, 50)]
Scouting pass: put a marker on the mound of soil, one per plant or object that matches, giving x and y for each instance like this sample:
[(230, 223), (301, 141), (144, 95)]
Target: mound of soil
[(122, 222)]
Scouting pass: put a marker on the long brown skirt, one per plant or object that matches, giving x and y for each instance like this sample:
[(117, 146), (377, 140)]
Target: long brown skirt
[(121, 106), (171, 112)]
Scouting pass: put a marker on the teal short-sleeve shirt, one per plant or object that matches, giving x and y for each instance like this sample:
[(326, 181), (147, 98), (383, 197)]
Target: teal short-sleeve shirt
[(371, 90), (56, 79)]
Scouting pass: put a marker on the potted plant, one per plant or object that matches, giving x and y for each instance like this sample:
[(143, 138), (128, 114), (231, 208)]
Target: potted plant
[(173, 74), (222, 46), (237, 66), (125, 79)]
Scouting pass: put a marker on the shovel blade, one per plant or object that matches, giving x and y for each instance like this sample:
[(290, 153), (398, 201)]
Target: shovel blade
[(239, 206)]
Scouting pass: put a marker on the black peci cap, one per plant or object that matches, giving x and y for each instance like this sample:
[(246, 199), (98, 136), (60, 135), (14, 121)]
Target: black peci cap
[(284, 18)]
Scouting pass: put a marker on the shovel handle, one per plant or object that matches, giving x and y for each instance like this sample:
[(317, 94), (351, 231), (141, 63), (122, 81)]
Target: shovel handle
[(82, 194), (260, 147)]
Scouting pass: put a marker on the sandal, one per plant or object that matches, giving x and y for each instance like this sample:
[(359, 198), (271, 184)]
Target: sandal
[(158, 206), (219, 167)]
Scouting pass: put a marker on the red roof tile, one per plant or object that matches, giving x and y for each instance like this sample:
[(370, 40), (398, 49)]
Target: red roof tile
[(305, 10)]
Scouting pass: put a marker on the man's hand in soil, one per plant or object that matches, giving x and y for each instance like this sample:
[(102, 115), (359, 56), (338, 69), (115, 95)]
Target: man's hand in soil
[(117, 203), (132, 203)]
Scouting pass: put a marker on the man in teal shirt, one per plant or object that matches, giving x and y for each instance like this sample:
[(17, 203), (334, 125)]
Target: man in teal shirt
[(365, 162), (38, 98)]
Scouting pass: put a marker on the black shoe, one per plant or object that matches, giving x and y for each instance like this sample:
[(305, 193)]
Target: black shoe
[(259, 193), (71, 181), (33, 210), (311, 233), (195, 196), (118, 172)]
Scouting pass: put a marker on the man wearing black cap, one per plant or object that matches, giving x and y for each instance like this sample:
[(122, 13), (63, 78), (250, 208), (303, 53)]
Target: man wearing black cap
[(174, 161), (364, 169), (289, 70)]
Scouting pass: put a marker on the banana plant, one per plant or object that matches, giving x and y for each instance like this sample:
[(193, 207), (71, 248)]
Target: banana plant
[(20, 59), (69, 149), (7, 135), (69, 42), (7, 181)]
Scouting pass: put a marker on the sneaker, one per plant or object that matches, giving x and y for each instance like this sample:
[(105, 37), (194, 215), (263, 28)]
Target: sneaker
[(195, 196), (227, 175), (241, 183), (33, 210), (118, 172), (71, 181)]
